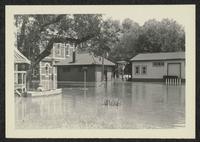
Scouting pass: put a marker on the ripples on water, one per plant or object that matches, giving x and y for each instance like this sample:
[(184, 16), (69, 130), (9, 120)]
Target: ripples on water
[(142, 105)]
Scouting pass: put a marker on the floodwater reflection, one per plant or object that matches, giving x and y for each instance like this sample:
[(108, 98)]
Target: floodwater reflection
[(142, 105)]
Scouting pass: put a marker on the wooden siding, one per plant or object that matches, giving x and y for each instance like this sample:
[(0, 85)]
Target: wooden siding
[(109, 70), (75, 73), (155, 72)]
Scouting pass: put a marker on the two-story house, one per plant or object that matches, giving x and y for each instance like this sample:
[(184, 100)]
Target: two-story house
[(45, 74)]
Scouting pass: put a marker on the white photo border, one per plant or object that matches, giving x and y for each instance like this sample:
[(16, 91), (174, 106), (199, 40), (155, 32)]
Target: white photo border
[(184, 12)]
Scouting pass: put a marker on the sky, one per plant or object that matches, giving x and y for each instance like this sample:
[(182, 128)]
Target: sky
[(139, 20), (140, 14)]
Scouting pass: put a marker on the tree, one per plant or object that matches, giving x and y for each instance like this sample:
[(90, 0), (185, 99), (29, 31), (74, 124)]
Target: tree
[(36, 34), (41, 31), (106, 39), (126, 47), (173, 36), (164, 36), (102, 44), (154, 36)]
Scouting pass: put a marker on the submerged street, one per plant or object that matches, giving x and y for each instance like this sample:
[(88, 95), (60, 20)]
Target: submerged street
[(134, 105)]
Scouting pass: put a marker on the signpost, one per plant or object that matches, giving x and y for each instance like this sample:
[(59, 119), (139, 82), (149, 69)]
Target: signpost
[(85, 77)]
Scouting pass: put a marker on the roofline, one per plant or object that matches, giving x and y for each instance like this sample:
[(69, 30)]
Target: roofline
[(84, 65), (27, 61), (157, 60)]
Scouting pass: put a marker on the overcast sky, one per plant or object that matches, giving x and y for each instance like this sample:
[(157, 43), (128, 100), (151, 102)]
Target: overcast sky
[(140, 14), (141, 20)]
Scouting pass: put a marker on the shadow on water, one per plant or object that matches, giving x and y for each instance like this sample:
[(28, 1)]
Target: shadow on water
[(112, 105)]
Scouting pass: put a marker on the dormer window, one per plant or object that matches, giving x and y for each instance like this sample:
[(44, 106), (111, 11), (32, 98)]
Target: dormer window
[(58, 49)]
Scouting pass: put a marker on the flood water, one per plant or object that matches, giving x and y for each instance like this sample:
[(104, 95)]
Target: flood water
[(133, 106)]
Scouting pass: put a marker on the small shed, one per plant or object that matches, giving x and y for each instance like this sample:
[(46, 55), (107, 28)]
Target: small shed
[(72, 70), (156, 66), (19, 71)]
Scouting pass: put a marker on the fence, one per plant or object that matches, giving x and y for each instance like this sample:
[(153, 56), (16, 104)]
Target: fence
[(172, 80)]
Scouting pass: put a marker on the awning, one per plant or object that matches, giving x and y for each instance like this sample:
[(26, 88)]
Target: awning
[(20, 58)]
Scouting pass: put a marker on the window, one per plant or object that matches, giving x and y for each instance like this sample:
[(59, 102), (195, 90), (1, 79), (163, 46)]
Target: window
[(67, 50), (137, 69), (144, 69), (58, 49), (158, 64), (20, 81), (47, 69)]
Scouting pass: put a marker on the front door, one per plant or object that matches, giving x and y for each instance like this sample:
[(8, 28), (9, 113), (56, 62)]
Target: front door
[(174, 69)]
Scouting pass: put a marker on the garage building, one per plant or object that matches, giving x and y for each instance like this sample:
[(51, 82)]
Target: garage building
[(157, 66)]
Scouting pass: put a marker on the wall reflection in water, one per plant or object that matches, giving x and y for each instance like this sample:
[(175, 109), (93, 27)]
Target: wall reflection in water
[(141, 105)]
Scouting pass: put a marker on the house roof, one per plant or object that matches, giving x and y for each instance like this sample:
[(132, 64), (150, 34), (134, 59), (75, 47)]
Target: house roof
[(159, 56), (19, 57), (85, 59), (121, 62)]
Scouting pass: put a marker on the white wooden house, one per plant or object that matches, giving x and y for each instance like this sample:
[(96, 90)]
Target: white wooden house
[(155, 66), (20, 61)]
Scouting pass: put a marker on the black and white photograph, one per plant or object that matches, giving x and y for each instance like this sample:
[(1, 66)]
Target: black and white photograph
[(100, 68)]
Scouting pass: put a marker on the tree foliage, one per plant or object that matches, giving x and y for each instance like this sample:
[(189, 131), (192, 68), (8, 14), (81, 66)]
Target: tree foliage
[(106, 39), (154, 36), (37, 33)]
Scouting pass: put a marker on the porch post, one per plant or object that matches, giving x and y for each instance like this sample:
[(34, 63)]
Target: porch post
[(22, 75), (16, 74), (53, 75), (25, 81)]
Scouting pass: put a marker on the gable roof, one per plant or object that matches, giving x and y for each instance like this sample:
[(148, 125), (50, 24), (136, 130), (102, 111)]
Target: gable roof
[(159, 56), (85, 59), (19, 57)]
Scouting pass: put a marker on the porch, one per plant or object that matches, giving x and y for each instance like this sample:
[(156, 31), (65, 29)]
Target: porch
[(20, 81)]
